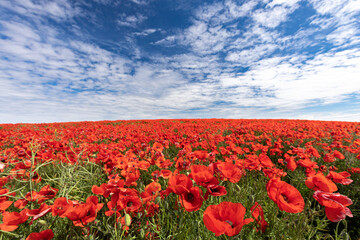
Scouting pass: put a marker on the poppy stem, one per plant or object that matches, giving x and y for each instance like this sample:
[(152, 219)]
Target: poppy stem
[(53, 221), (122, 233), (10, 233)]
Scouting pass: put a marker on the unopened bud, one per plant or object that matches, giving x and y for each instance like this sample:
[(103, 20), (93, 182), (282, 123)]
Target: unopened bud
[(127, 220), (42, 222)]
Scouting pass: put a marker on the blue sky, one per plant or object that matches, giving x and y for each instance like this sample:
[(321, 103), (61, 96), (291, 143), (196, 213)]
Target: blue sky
[(65, 60)]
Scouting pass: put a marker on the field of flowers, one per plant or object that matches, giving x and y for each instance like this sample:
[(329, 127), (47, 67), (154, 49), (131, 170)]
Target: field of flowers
[(180, 179)]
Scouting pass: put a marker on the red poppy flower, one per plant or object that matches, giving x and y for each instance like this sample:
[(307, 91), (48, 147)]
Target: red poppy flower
[(182, 164), (166, 174), (335, 205), (286, 196), (84, 213), (225, 218), (202, 175), (307, 163), (131, 176), (11, 220), (354, 170), (103, 190), (4, 203), (341, 177), (158, 147), (338, 155), (320, 182), (37, 213), (113, 206), (215, 190), (60, 206), (192, 200), (161, 162), (151, 191), (291, 164), (329, 158), (229, 171), (201, 155), (43, 235), (179, 184), (265, 161), (130, 203), (313, 152), (3, 181), (258, 213), (77, 213), (46, 193)]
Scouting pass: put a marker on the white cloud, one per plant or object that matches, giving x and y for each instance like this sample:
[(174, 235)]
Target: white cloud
[(343, 34), (208, 34), (275, 13), (132, 20), (248, 56), (332, 6), (243, 10), (140, 2), (298, 84), (58, 9), (147, 32), (167, 41)]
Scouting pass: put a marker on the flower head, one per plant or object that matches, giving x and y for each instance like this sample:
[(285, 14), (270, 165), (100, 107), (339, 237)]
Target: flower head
[(225, 218)]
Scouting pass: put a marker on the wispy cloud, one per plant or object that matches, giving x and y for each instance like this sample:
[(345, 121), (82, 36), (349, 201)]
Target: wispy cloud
[(58, 9), (140, 2), (339, 17), (147, 32), (248, 56), (275, 12), (132, 20)]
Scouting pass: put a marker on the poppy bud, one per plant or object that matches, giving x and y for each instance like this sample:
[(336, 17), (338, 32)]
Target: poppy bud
[(127, 220), (42, 222)]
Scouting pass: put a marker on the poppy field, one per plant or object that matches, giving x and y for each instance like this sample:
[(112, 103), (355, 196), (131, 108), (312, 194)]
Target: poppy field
[(180, 179)]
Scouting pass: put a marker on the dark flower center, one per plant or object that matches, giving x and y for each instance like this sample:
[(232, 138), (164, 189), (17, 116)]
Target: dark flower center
[(285, 197), (229, 222), (129, 204), (189, 197)]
